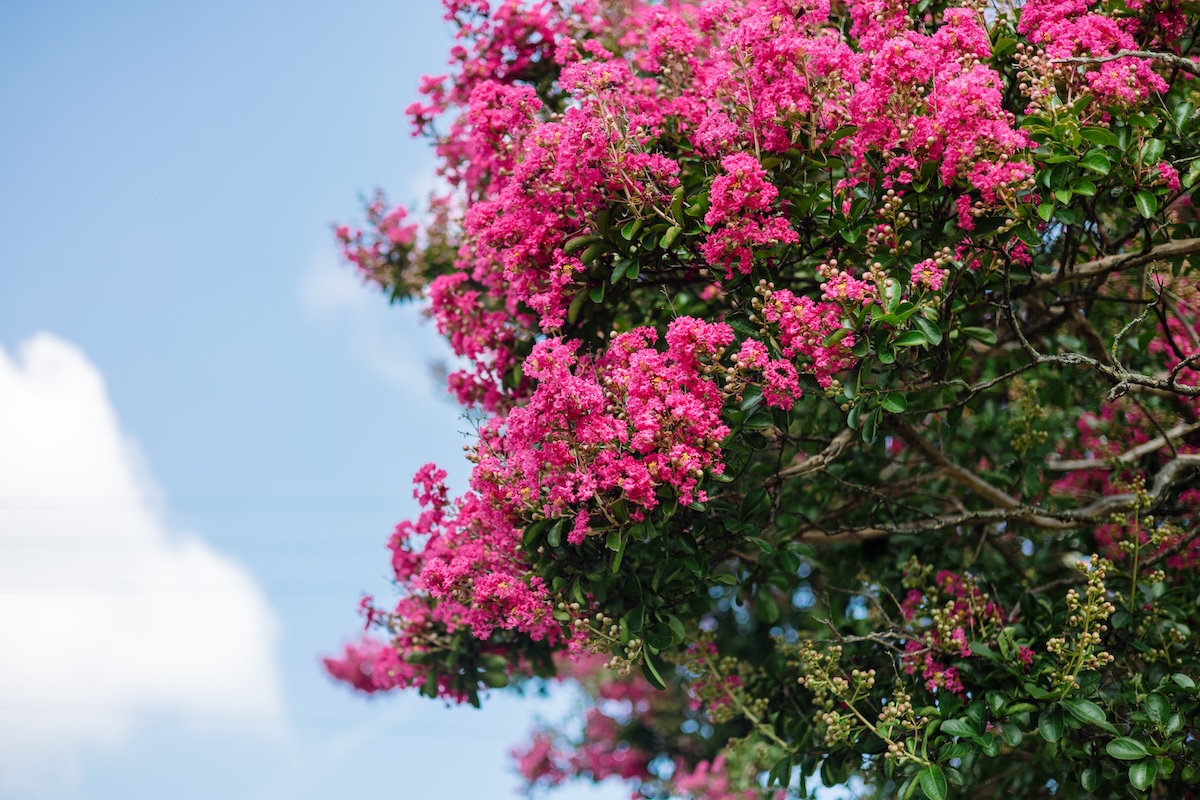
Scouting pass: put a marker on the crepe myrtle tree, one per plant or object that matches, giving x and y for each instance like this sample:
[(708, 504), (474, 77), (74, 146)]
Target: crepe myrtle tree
[(837, 375)]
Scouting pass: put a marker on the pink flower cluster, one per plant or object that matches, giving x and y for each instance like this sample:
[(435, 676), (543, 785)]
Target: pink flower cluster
[(931, 98), (945, 613), (802, 325), (1069, 28), (926, 274), (376, 252), (711, 781), (741, 200), (622, 426)]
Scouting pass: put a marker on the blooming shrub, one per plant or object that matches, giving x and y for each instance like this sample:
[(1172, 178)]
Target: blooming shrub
[(838, 377)]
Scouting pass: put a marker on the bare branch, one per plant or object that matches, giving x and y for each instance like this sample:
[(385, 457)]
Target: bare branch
[(1113, 263), (1185, 64), (821, 460), (1129, 456), (1172, 473)]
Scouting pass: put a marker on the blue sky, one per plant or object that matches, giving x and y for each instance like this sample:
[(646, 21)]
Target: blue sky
[(207, 428)]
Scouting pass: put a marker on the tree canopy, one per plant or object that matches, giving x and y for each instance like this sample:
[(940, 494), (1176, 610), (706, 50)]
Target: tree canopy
[(836, 368)]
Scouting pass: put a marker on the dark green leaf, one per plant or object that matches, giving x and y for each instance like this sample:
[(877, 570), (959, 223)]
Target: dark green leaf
[(554, 535), (933, 782), (1087, 711), (669, 237), (1146, 203), (909, 339), (1050, 724), (895, 403), (678, 632), (1090, 779), (1126, 749), (1152, 152), (958, 727), (933, 333), (1157, 708), (1097, 162), (1100, 136), (765, 608), (658, 637), (1142, 774), (579, 242), (1182, 113), (981, 334), (651, 672), (495, 679)]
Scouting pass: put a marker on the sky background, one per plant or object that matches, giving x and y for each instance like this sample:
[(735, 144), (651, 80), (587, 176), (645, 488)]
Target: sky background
[(208, 427)]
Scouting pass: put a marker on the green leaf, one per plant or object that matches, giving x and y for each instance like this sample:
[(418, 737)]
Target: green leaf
[(1085, 188), (659, 637), (576, 307), (1182, 113), (650, 671), (630, 229), (593, 252), (909, 339), (756, 501), (1146, 203), (634, 619), (1183, 681), (958, 727), (1152, 152), (678, 632), (842, 133), (495, 679), (1045, 211), (933, 333), (760, 421), (895, 403), (1126, 749), (1087, 711), (579, 242), (1157, 708), (765, 608), (981, 334), (669, 237), (1142, 774), (554, 536), (530, 537), (835, 337), (1090, 779), (933, 782), (1097, 162), (619, 269), (1050, 724), (1100, 136)]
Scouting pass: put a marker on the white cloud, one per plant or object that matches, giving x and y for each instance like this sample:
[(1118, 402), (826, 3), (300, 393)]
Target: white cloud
[(105, 615)]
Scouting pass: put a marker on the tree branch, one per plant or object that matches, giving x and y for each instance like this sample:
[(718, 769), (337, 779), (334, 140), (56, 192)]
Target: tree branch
[(1113, 263), (1129, 456), (1179, 62), (819, 461)]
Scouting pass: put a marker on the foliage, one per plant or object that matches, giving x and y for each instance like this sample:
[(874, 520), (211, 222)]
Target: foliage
[(837, 369)]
